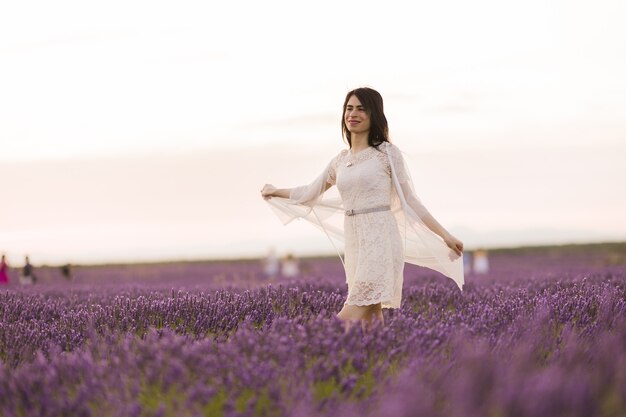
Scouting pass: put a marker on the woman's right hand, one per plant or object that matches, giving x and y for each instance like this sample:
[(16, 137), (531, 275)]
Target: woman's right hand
[(453, 243), (267, 191)]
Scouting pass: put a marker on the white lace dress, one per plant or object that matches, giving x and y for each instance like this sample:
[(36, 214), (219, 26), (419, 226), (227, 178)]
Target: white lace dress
[(376, 244), (374, 258)]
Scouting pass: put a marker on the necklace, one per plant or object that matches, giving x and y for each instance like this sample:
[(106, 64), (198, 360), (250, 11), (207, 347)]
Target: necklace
[(353, 158)]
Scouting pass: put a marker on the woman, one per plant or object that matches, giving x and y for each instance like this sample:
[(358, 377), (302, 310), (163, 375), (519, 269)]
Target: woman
[(383, 222)]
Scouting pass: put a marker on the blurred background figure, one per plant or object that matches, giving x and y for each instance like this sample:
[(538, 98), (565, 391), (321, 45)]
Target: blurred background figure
[(467, 263), (66, 271), (481, 262), (4, 271), (290, 268), (28, 274), (271, 264)]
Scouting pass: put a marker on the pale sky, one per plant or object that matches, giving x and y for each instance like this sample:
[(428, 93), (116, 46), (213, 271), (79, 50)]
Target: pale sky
[(143, 130)]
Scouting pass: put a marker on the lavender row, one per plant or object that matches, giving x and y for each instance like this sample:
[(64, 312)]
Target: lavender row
[(279, 351), (35, 321)]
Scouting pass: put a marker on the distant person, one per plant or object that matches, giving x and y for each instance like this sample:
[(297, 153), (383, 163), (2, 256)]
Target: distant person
[(28, 273), (481, 262), (467, 263), (290, 267), (271, 264), (66, 271), (4, 271), (306, 268), (379, 216)]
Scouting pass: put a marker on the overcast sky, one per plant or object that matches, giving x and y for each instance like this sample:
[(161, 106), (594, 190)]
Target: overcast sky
[(119, 120)]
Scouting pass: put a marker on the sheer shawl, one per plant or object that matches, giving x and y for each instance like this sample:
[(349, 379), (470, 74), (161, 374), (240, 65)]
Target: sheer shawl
[(325, 210)]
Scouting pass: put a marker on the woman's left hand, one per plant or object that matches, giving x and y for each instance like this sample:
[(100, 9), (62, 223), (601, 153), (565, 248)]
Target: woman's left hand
[(453, 243)]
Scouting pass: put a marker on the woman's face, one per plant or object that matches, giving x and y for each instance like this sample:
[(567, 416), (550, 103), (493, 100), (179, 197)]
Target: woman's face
[(356, 117)]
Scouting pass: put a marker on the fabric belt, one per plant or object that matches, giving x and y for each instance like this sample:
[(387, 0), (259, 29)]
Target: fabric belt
[(352, 212)]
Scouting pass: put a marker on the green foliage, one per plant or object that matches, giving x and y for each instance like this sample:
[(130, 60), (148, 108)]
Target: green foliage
[(264, 406), (241, 402), (325, 390), (215, 407), (364, 385), (153, 397)]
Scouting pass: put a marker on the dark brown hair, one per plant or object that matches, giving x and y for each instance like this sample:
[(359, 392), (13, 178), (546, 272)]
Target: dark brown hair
[(372, 102)]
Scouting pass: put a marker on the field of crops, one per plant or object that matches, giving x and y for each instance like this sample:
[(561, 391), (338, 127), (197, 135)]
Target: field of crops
[(542, 334)]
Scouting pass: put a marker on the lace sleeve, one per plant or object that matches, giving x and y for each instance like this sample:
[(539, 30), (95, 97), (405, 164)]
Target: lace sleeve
[(309, 194), (401, 174), (331, 172), (397, 161)]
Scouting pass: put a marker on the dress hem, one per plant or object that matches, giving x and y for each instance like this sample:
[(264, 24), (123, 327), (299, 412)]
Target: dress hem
[(382, 304)]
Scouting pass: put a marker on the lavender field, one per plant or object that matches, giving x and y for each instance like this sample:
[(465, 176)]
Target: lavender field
[(542, 334)]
